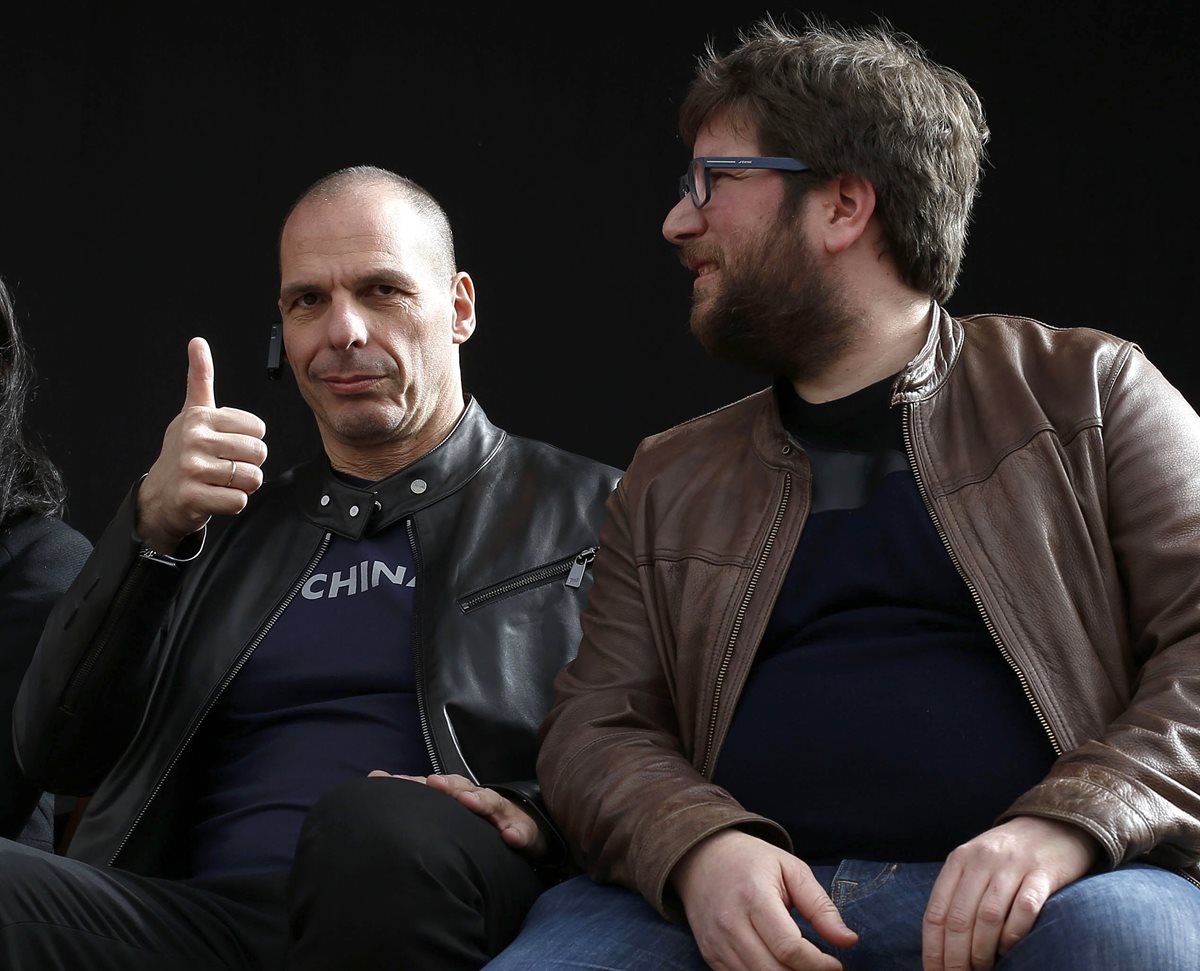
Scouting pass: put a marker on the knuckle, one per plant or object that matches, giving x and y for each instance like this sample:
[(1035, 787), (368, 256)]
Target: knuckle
[(725, 921), (826, 906), (959, 922), (195, 433), (987, 850), (1029, 901), (992, 912), (196, 415)]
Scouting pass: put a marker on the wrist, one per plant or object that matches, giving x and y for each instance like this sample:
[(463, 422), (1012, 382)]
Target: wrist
[(180, 551), (155, 543)]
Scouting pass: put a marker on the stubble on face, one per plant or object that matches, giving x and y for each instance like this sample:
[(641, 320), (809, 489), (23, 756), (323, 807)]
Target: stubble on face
[(390, 387), (374, 416), (776, 311)]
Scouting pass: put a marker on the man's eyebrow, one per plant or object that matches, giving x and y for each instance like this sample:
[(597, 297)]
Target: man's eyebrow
[(293, 290), (395, 278)]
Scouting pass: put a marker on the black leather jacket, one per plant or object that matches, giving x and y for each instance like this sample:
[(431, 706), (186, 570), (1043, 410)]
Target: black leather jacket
[(139, 650)]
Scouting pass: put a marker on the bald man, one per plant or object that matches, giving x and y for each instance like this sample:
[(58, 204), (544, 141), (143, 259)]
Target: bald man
[(313, 745)]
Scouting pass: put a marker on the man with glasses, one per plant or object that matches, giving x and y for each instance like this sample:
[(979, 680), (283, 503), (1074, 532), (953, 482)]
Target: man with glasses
[(312, 745), (893, 664)]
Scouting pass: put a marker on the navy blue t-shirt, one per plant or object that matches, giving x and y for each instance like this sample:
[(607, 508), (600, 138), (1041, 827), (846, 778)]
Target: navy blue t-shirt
[(880, 720), (327, 696)]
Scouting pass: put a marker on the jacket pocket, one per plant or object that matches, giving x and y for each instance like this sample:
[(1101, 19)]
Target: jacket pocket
[(570, 569)]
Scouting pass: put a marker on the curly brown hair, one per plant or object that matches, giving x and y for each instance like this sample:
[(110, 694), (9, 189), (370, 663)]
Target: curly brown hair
[(865, 101)]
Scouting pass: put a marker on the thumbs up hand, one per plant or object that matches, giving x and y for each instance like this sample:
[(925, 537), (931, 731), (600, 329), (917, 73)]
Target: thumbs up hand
[(209, 465)]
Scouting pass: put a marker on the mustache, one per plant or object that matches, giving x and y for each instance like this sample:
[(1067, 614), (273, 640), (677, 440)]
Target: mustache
[(693, 253)]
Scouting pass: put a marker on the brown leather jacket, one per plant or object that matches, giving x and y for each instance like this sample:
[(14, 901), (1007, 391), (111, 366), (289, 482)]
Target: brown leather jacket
[(1063, 473)]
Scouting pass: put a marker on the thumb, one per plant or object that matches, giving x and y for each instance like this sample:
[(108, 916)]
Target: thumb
[(812, 903), (200, 375)]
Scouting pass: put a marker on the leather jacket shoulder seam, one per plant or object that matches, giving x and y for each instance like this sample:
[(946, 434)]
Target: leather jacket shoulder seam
[(1115, 371), (1045, 428)]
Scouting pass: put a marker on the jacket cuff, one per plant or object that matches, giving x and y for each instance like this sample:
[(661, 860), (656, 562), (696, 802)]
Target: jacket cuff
[(189, 547), (557, 864), (1097, 807)]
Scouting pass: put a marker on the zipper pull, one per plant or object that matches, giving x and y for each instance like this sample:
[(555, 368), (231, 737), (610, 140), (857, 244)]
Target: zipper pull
[(579, 567)]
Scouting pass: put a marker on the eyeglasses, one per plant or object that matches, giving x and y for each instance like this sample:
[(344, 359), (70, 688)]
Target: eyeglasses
[(697, 183)]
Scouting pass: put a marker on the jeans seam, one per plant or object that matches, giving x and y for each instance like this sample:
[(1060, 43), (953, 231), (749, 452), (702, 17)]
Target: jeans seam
[(848, 891)]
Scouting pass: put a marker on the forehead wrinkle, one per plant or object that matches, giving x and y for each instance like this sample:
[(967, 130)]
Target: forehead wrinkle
[(324, 241), (367, 276), (374, 247)]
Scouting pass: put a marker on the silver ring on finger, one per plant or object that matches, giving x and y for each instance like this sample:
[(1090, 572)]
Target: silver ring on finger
[(232, 473)]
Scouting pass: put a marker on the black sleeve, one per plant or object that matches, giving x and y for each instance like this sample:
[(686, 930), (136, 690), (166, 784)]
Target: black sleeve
[(89, 682), (39, 557)]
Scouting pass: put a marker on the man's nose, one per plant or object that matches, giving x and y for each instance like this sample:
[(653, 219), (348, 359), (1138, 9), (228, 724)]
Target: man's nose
[(683, 222), (347, 325)]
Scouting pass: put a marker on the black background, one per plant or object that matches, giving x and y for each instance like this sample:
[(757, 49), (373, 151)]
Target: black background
[(149, 152)]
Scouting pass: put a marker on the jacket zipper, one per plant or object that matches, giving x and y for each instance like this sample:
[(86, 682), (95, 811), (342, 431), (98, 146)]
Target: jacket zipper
[(739, 618), (987, 621), (419, 659), (228, 679), (126, 592), (573, 566)]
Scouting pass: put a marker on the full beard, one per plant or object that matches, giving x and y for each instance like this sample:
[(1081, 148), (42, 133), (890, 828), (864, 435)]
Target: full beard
[(776, 311)]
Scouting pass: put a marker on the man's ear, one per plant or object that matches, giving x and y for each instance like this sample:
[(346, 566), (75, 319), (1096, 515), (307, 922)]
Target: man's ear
[(464, 308), (847, 205)]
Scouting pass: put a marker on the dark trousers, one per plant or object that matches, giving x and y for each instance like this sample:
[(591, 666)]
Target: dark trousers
[(387, 875)]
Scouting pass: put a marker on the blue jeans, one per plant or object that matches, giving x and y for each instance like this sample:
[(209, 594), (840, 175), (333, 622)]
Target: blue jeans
[(1136, 918)]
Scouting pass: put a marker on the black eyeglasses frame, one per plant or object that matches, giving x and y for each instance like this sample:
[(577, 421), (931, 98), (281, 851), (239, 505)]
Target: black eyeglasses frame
[(706, 163)]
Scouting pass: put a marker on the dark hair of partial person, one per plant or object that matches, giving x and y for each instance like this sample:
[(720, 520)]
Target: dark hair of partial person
[(863, 101), (421, 199), (29, 481)]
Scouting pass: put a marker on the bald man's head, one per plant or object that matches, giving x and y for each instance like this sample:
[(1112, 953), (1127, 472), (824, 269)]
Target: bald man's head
[(357, 178)]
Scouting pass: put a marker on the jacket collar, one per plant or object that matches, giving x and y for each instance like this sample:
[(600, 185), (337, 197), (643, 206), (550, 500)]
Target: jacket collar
[(928, 371), (352, 512), (920, 379)]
